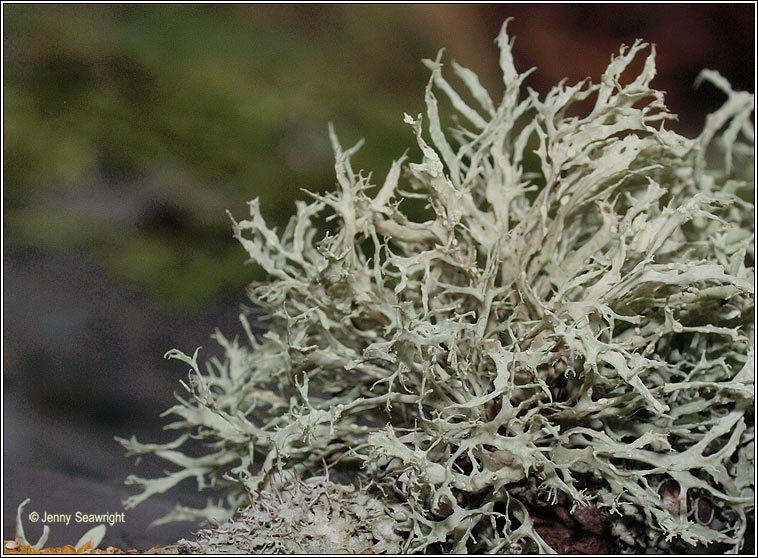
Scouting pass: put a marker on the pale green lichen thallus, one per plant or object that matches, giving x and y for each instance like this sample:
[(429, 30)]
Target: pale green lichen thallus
[(571, 317)]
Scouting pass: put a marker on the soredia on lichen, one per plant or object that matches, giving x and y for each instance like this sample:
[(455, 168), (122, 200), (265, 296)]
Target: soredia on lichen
[(571, 321), (304, 517)]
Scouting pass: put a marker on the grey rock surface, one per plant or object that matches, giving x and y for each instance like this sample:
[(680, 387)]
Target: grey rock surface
[(82, 363)]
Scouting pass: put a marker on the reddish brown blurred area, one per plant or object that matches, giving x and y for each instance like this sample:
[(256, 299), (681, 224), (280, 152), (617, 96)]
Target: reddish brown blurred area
[(576, 41)]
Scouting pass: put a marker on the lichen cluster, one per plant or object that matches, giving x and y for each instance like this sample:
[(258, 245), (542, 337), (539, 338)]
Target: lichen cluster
[(316, 516), (571, 318)]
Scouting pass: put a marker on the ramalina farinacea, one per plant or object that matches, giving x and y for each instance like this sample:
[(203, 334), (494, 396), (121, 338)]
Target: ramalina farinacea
[(572, 318)]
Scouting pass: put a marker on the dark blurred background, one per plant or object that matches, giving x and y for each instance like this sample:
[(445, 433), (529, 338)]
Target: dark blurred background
[(129, 129)]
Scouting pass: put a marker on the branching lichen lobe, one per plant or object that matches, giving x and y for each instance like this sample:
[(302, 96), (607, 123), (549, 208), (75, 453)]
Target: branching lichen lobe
[(580, 331)]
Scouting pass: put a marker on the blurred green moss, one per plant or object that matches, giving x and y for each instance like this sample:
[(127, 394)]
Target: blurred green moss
[(118, 114)]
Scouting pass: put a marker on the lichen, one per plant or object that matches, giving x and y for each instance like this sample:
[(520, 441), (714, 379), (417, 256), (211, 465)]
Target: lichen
[(572, 318), (87, 543), (316, 516)]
